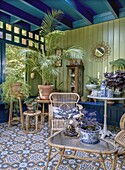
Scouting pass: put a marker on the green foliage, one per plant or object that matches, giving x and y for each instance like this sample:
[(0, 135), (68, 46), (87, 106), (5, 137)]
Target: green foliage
[(49, 23), (120, 63), (92, 80), (6, 90), (44, 62), (15, 64)]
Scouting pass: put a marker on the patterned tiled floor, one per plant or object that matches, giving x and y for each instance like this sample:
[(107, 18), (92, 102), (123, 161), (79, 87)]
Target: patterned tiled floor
[(21, 151)]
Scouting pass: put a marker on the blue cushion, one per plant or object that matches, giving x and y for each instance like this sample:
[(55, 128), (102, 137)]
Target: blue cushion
[(67, 114)]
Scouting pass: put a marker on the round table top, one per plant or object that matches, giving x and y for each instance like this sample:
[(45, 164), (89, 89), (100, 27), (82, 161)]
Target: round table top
[(43, 100), (106, 98), (30, 113)]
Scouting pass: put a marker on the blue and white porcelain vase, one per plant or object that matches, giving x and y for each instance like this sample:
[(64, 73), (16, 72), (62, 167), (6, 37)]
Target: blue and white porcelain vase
[(90, 136)]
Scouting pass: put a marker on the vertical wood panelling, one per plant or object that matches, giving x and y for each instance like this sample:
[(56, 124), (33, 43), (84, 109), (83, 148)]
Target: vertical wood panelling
[(94, 41), (100, 38), (111, 43), (116, 40), (105, 39), (111, 32), (122, 39)]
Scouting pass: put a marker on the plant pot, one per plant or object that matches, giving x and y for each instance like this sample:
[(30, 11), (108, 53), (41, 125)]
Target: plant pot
[(44, 91), (90, 135), (91, 86), (15, 88), (30, 108)]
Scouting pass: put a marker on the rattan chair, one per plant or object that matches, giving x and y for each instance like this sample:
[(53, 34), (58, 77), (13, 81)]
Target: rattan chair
[(120, 137), (62, 107)]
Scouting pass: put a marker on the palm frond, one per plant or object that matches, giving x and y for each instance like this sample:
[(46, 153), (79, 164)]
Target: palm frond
[(73, 53), (118, 63), (49, 22)]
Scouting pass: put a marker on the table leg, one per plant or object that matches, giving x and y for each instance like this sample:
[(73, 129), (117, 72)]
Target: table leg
[(114, 161), (21, 112), (61, 155), (42, 114), (50, 149), (102, 161), (10, 113), (27, 123), (36, 121), (105, 131)]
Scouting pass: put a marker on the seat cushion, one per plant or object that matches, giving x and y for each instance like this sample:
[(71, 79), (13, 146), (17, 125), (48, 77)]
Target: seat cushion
[(67, 114)]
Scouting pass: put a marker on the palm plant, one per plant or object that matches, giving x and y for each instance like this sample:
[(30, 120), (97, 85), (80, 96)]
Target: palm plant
[(44, 61)]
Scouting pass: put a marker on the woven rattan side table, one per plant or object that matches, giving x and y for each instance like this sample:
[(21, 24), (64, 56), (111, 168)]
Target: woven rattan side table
[(28, 125)]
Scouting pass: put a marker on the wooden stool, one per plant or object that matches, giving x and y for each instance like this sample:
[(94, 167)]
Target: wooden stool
[(29, 114), (11, 111), (43, 113)]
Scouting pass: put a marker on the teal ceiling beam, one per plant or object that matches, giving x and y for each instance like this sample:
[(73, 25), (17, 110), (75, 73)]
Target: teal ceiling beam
[(76, 11), (112, 6), (26, 7), (122, 12), (80, 23), (64, 22), (14, 19), (34, 28), (30, 9), (83, 13), (15, 12), (103, 17)]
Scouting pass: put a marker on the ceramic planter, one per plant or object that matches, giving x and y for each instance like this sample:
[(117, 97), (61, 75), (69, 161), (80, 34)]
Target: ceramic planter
[(90, 136)]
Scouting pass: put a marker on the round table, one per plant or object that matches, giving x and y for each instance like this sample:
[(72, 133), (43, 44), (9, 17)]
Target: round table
[(105, 99), (28, 115)]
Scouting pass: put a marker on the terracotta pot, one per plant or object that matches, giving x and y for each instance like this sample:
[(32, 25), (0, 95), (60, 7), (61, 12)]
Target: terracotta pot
[(16, 88), (44, 91)]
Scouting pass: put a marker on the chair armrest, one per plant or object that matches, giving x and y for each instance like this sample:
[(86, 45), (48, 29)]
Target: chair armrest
[(79, 106)]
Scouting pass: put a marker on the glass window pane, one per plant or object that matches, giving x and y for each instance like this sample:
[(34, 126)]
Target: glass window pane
[(41, 46), (1, 34), (36, 37), (42, 39), (8, 37), (36, 45), (1, 24), (30, 34), (15, 62), (30, 43), (23, 32), (8, 27), (16, 30), (16, 39), (23, 41)]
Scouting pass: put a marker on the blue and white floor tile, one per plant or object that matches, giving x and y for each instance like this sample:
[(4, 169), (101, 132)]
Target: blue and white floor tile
[(21, 151)]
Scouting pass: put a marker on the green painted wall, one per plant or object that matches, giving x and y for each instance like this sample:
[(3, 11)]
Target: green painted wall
[(112, 32)]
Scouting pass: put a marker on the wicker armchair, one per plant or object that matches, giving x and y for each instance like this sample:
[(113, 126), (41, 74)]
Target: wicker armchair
[(62, 106), (120, 137)]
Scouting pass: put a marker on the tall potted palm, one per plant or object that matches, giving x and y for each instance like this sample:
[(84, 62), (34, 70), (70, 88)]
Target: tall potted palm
[(44, 61)]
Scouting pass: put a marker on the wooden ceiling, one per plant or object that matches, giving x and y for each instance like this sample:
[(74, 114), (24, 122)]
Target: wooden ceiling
[(28, 14)]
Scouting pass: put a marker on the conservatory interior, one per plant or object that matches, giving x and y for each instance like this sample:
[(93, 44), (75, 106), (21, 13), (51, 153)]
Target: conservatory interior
[(62, 84)]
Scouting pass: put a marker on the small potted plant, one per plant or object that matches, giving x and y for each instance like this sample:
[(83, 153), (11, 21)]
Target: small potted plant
[(31, 104), (115, 81), (11, 89), (92, 83), (88, 127)]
